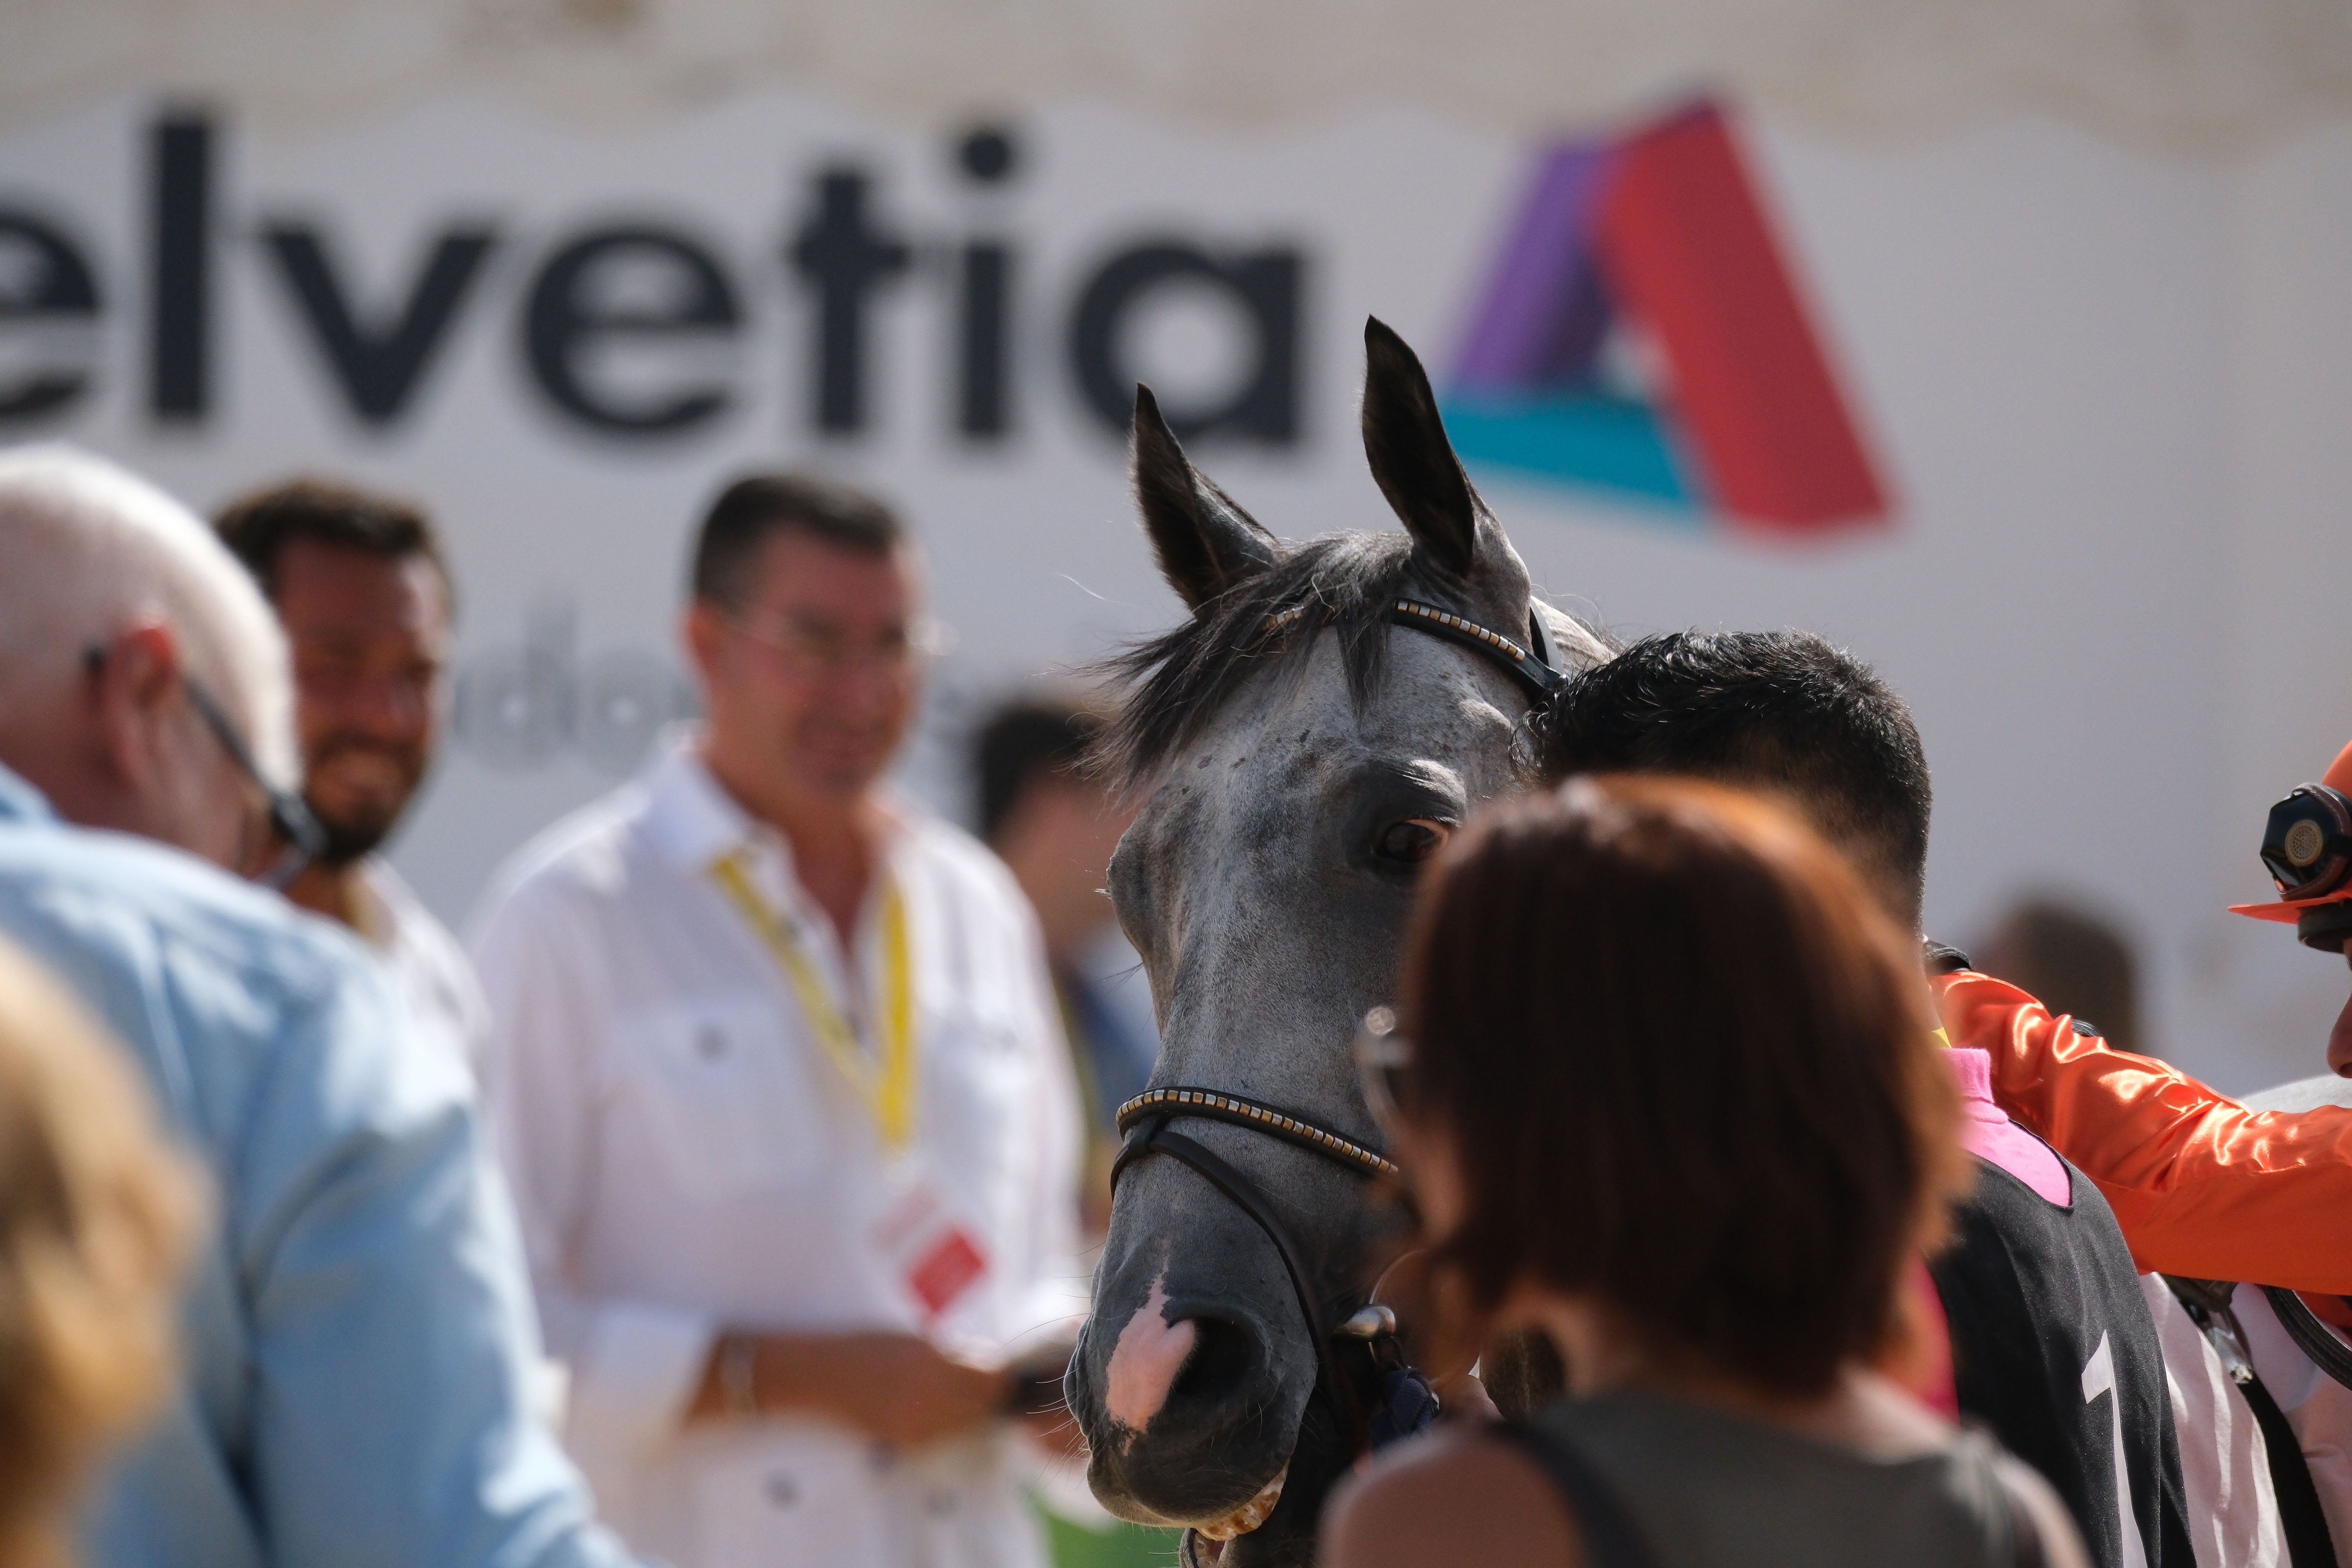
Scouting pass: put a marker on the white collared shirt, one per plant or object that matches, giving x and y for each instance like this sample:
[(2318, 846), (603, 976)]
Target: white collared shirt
[(687, 1158), (427, 961)]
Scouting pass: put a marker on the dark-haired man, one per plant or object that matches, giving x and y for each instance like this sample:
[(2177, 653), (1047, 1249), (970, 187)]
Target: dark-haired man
[(2052, 1344), (781, 1094), (360, 585), (1055, 826)]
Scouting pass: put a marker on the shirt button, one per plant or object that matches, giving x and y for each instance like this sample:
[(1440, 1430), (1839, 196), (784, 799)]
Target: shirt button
[(782, 1490), (711, 1044)]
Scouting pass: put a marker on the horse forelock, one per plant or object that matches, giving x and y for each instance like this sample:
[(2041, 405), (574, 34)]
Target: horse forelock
[(1171, 683)]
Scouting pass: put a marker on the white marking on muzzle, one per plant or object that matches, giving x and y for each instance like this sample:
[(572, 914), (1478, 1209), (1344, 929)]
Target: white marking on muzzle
[(1144, 1364)]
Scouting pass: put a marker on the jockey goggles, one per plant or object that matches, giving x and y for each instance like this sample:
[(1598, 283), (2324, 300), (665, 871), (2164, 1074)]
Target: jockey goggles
[(2307, 850), (2307, 843)]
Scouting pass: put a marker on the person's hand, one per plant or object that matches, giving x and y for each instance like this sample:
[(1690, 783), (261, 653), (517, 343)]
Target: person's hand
[(899, 1388)]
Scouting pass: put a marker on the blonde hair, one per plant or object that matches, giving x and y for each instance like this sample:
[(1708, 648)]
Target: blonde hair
[(92, 549), (97, 1214)]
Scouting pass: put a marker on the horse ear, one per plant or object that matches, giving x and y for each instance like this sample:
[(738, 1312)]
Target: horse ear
[(1205, 541), (1412, 459)]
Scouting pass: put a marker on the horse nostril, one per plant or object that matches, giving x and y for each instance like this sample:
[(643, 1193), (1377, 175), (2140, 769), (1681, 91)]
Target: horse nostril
[(1224, 1359)]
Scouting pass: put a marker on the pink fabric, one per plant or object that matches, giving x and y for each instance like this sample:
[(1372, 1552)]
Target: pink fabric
[(1987, 1132), (1928, 1375)]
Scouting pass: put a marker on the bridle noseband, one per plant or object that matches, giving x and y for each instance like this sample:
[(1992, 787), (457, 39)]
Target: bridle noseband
[(1142, 1121), (1210, 1106)]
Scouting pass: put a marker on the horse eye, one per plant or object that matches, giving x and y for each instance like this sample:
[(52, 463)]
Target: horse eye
[(1411, 841)]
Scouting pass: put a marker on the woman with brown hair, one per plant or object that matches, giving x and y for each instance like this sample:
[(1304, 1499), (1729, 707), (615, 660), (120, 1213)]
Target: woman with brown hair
[(96, 1217), (1664, 1087)]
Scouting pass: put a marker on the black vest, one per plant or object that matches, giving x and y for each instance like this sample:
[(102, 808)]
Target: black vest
[(2053, 1349)]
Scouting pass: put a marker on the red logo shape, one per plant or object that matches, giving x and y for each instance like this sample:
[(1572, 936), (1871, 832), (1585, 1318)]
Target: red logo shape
[(1662, 230), (946, 1270)]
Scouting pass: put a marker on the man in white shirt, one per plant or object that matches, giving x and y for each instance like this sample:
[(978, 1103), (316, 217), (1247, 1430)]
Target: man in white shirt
[(779, 1088), (360, 585)]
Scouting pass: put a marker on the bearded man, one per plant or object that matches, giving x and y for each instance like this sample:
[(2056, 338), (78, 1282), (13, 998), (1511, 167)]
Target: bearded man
[(362, 590)]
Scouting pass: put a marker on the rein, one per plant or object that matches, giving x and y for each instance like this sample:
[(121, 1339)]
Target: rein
[(1142, 1121)]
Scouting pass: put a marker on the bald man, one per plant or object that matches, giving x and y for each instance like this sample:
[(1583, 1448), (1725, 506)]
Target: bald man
[(359, 1347)]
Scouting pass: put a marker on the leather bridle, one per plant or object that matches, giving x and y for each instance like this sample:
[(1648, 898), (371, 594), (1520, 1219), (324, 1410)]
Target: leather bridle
[(1142, 1121), (1536, 667)]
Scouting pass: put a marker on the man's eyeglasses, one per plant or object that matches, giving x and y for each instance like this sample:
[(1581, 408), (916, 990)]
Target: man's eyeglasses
[(813, 649), (289, 818)]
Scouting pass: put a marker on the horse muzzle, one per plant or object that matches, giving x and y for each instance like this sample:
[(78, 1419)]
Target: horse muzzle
[(1188, 1413)]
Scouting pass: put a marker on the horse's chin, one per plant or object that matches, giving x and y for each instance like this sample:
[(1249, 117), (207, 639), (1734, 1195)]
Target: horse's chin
[(1199, 1551), (1250, 1515), (1260, 1548), (1285, 1537)]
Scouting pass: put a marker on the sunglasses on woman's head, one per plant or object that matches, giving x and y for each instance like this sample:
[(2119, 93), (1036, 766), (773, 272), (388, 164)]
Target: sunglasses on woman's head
[(1381, 1055)]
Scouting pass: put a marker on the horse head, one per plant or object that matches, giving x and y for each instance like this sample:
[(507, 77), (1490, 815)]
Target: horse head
[(1305, 756)]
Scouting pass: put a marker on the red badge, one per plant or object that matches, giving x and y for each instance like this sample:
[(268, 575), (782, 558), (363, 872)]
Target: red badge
[(946, 1270)]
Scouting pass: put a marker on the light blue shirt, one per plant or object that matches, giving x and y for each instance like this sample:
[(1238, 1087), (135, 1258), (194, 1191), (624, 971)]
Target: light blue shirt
[(359, 1335)]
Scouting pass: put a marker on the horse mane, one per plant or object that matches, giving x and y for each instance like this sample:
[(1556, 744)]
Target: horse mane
[(1171, 683)]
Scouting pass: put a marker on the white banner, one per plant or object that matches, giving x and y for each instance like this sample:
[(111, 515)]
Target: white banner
[(565, 341), (2171, 75)]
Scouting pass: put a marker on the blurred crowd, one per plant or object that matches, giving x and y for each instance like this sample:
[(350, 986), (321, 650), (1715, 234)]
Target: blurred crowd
[(728, 1195)]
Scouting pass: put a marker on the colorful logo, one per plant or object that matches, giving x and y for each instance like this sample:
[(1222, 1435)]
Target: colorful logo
[(1640, 335)]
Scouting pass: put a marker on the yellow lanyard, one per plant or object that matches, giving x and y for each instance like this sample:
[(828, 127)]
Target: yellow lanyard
[(886, 1086)]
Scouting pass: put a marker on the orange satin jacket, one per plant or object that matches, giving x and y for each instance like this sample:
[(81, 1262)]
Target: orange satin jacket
[(2201, 1186)]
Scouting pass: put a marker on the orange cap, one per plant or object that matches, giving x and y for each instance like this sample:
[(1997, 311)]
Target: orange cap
[(2338, 778)]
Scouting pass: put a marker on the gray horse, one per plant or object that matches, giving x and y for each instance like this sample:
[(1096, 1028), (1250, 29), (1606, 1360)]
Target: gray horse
[(1305, 754)]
